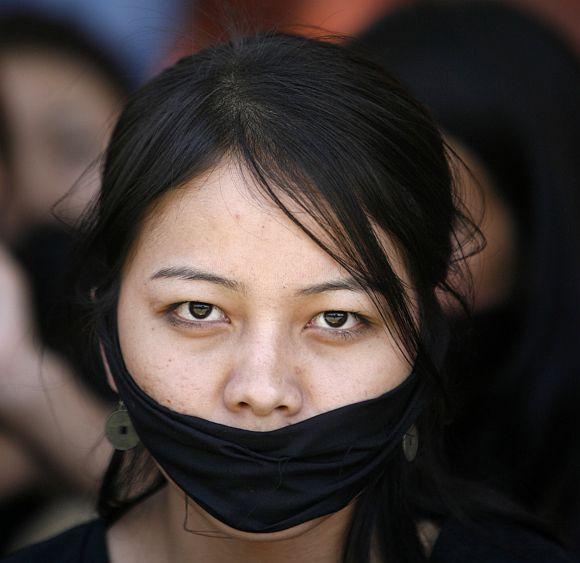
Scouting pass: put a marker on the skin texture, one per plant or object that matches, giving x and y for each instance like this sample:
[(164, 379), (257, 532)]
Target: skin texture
[(266, 359), (59, 115)]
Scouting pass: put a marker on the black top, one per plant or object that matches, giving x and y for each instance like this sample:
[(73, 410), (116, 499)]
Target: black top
[(457, 543)]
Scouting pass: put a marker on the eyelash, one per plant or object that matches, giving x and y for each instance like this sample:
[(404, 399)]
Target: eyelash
[(364, 323)]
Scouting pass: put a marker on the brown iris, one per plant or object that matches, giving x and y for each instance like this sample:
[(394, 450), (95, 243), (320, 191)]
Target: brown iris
[(335, 319), (200, 310)]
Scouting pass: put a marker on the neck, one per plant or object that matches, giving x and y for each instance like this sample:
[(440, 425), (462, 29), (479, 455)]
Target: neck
[(202, 538), (168, 533), (160, 531)]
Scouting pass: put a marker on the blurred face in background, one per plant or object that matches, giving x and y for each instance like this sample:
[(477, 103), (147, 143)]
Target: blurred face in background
[(59, 113), (494, 269)]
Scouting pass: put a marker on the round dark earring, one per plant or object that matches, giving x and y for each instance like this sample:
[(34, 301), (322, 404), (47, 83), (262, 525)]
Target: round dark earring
[(120, 430), (411, 443)]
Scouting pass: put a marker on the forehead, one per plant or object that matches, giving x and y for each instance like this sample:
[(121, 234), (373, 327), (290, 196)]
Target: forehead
[(221, 221)]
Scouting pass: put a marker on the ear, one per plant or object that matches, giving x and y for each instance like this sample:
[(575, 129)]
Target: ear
[(110, 379)]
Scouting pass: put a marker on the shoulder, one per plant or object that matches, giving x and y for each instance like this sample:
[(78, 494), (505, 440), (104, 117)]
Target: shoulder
[(494, 542), (84, 543)]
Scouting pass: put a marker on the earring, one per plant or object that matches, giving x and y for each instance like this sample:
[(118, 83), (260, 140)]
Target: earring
[(411, 443), (120, 430)]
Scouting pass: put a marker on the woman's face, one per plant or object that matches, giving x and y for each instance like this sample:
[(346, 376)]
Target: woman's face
[(229, 312)]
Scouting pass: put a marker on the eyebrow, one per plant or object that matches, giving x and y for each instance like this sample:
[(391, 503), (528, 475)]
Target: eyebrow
[(193, 274), (188, 273)]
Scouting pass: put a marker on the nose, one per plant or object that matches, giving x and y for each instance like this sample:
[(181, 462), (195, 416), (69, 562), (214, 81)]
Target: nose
[(263, 380)]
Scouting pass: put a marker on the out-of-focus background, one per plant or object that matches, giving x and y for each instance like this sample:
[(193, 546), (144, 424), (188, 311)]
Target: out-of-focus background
[(502, 78)]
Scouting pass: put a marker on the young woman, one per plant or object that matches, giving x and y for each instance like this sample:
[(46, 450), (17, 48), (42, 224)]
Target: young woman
[(263, 271)]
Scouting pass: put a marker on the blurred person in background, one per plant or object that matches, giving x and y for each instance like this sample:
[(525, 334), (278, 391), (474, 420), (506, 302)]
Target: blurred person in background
[(507, 89), (136, 33), (204, 19), (61, 94)]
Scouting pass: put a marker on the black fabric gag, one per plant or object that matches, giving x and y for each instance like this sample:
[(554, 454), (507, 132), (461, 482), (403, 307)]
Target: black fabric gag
[(271, 481)]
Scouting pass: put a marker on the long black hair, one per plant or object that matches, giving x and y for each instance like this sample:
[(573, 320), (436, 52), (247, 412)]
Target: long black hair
[(314, 122), (508, 87)]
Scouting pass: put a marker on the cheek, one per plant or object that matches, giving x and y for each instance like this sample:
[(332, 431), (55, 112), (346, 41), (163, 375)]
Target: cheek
[(176, 371), (356, 373)]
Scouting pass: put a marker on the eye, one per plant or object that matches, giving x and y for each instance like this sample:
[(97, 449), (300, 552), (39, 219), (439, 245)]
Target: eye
[(334, 319), (340, 323), (198, 311)]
